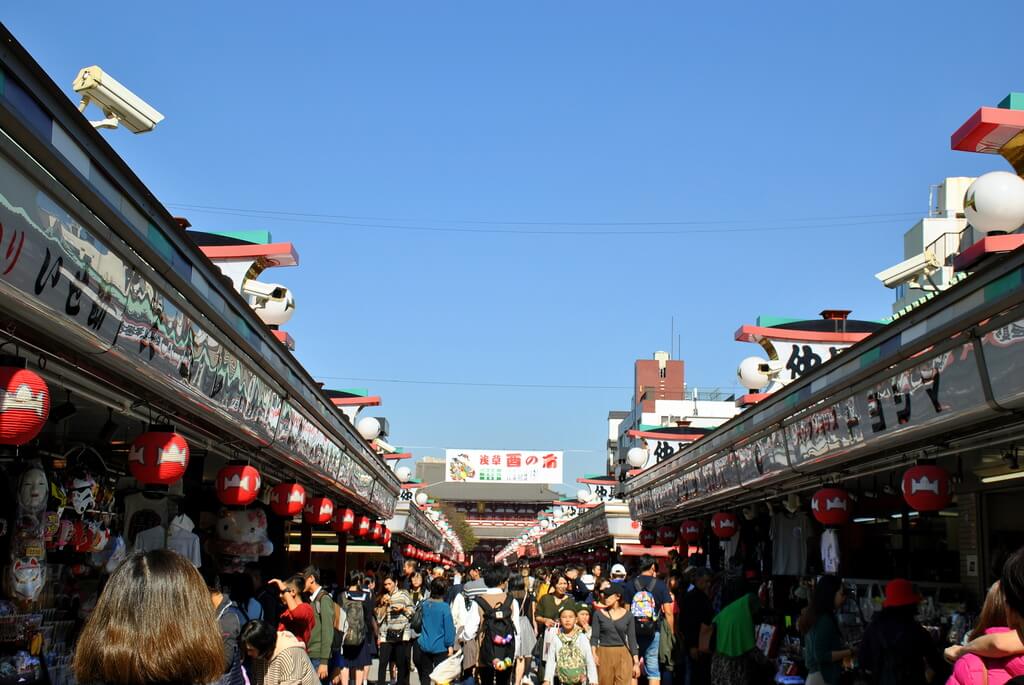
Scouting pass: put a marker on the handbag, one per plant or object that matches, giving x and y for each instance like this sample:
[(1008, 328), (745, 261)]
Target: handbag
[(448, 670)]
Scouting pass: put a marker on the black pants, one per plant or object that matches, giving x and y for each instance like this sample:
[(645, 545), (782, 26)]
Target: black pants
[(426, 662), (489, 676), (398, 653)]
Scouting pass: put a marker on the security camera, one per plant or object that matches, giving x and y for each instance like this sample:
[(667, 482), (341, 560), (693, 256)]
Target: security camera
[(273, 303), (119, 105), (921, 265)]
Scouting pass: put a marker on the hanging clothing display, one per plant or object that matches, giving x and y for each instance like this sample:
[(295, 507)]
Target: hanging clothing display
[(142, 513), (789, 543), (148, 540), (182, 540), (830, 551)]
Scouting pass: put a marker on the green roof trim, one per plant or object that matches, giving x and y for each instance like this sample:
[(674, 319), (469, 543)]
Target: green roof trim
[(1012, 101), (773, 321), (361, 392), (257, 237)]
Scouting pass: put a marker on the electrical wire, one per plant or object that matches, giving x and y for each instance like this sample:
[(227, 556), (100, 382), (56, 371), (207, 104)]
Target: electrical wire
[(546, 386), (537, 232)]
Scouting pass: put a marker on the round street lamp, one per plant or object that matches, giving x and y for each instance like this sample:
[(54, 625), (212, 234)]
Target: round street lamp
[(637, 457)]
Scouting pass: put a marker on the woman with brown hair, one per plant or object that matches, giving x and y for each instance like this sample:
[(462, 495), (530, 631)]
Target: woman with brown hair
[(153, 623)]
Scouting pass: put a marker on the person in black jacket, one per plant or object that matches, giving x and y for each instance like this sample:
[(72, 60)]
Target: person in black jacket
[(230, 621), (896, 648)]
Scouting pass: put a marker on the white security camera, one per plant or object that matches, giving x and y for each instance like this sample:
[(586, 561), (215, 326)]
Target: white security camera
[(921, 265), (272, 302), (119, 105)]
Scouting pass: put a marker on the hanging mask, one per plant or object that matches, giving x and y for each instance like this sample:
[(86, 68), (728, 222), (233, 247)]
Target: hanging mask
[(65, 533), (83, 494), (28, 575), (33, 490)]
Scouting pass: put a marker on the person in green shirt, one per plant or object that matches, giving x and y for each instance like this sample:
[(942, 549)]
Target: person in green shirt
[(824, 650), (733, 662)]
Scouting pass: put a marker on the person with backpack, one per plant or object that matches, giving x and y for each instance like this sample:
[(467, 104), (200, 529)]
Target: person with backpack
[(896, 648), (650, 603), (354, 655), (321, 639), (433, 621), (616, 652), (395, 639), (569, 660), (492, 627), (824, 650), (230, 621)]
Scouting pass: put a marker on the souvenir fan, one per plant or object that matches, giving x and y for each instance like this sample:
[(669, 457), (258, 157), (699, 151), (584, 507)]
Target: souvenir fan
[(118, 553)]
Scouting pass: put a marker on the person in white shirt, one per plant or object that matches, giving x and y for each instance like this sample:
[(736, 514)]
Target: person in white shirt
[(496, 579)]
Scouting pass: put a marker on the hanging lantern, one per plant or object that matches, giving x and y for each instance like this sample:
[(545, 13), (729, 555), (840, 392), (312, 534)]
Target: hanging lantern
[(158, 457), (318, 511), (927, 487), (647, 537), (287, 499), (387, 536), (690, 531), (831, 506), (377, 532), (602, 554), (408, 551), (724, 525), (343, 520), (667, 535), (363, 526), (238, 485), (25, 405)]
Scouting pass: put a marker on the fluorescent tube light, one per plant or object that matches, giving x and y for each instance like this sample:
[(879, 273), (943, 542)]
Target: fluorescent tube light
[(1006, 476)]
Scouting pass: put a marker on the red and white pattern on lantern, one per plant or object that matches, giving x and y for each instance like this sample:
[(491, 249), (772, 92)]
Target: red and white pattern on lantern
[(158, 458), (724, 525), (318, 510), (831, 506), (238, 485), (287, 499), (927, 487), (344, 520), (690, 530), (24, 405)]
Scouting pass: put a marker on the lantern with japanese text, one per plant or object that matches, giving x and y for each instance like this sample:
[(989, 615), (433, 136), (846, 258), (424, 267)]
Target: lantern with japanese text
[(158, 457), (690, 531), (318, 511), (724, 525), (377, 532), (408, 551), (25, 405), (287, 499), (602, 554), (927, 487), (363, 526), (343, 520), (647, 537), (387, 536), (237, 485), (667, 535), (831, 506)]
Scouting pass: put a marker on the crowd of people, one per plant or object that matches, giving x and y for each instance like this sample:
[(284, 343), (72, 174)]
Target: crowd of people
[(159, 620)]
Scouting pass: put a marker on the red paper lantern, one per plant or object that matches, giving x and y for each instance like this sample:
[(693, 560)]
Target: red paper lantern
[(25, 405), (690, 531), (287, 499), (318, 511), (387, 536), (377, 532), (158, 457), (831, 506), (343, 520), (647, 537), (408, 551), (667, 535), (363, 526), (724, 525), (602, 554), (927, 487), (238, 485)]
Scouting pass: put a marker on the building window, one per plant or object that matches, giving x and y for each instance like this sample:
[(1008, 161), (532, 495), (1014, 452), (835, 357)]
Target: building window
[(663, 371)]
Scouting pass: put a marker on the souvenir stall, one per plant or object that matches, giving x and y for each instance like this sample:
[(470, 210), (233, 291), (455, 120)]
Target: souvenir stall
[(144, 403), (599, 534), (896, 459)]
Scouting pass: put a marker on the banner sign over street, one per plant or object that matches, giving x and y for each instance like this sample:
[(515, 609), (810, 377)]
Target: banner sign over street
[(502, 466)]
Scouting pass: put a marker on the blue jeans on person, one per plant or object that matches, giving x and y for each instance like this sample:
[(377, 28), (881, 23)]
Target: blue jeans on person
[(649, 655)]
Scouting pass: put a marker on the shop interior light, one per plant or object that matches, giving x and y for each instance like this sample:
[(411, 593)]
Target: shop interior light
[(1002, 477), (913, 515)]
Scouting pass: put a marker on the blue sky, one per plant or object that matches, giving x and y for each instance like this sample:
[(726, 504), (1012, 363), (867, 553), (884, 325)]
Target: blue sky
[(438, 114)]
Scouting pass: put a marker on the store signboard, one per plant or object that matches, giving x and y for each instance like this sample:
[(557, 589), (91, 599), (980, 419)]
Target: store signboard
[(1004, 356), (760, 458), (69, 278), (824, 432), (503, 466)]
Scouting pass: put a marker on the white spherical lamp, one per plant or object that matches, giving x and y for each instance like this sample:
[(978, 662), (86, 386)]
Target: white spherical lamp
[(584, 495), (637, 457), (995, 202), (368, 427), (751, 375), (404, 473), (545, 523), (422, 498)]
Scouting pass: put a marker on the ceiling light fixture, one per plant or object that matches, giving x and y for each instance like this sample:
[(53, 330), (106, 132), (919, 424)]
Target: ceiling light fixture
[(1001, 478)]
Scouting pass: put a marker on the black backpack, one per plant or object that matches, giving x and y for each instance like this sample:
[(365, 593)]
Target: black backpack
[(497, 633), (898, 667)]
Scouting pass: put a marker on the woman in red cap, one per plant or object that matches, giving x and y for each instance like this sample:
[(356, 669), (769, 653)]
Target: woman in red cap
[(896, 649)]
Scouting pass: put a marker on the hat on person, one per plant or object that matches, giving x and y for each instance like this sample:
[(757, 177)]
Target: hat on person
[(617, 570), (613, 589), (588, 581), (900, 592)]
